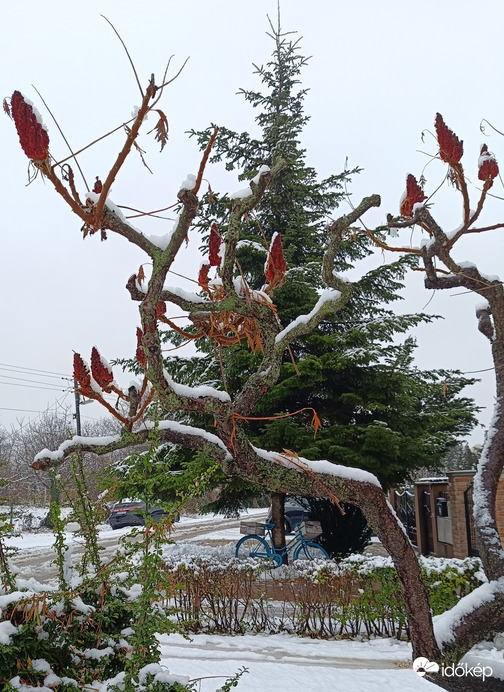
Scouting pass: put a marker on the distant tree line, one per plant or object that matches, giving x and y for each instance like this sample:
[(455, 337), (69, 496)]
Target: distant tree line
[(19, 482)]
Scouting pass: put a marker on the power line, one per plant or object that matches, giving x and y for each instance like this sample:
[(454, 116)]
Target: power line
[(31, 386), (38, 370), (22, 379), (49, 386), (24, 371), (53, 407), (24, 410)]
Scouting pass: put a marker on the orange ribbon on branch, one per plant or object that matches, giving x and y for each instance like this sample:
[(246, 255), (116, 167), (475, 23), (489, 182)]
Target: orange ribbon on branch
[(315, 421), (291, 456)]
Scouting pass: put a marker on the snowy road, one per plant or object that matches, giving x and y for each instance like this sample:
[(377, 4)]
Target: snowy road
[(36, 553)]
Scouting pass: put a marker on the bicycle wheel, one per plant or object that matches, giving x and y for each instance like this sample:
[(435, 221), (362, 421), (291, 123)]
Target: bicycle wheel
[(310, 551), (253, 546)]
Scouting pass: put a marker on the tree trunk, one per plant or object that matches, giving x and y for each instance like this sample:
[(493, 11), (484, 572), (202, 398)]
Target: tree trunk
[(486, 481), (278, 518)]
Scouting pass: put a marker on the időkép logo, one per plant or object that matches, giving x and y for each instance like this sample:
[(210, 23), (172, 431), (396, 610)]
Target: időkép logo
[(422, 666)]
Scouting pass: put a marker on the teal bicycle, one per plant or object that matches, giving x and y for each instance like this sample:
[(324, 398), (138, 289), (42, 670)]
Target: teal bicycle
[(254, 544)]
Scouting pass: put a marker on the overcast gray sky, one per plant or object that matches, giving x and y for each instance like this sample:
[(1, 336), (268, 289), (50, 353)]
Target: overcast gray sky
[(378, 74)]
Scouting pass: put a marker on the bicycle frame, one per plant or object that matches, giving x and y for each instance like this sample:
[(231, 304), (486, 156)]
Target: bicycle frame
[(298, 539), (264, 548)]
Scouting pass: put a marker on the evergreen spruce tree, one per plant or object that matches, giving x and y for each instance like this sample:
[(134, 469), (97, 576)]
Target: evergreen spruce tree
[(461, 457), (378, 411)]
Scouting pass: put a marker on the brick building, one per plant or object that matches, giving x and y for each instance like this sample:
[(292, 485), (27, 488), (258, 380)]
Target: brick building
[(443, 515)]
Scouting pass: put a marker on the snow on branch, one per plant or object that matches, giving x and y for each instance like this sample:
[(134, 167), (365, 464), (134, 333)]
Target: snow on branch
[(169, 431), (198, 392), (320, 466), (46, 458), (328, 302), (483, 605)]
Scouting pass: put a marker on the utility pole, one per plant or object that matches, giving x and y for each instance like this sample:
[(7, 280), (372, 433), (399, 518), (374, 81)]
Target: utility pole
[(78, 404), (77, 409)]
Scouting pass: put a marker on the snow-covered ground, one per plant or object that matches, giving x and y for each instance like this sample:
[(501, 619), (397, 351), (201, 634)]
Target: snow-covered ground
[(306, 665), (44, 539), (277, 663)]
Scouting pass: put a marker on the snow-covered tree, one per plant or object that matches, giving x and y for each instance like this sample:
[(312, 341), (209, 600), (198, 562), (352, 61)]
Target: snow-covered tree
[(355, 368), (379, 411), (228, 310)]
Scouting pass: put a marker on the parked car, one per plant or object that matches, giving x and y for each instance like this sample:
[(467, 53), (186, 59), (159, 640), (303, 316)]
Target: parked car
[(131, 514), (294, 513)]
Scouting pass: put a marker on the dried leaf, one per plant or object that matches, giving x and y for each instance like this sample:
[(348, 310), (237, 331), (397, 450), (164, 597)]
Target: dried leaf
[(253, 333), (161, 129), (452, 178), (203, 279), (6, 108), (98, 186), (141, 152), (160, 308), (289, 453), (315, 423), (141, 275)]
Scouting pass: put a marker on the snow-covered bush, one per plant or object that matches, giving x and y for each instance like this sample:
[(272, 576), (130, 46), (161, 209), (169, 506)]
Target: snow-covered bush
[(360, 595), (83, 638)]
